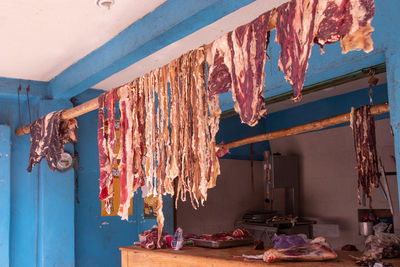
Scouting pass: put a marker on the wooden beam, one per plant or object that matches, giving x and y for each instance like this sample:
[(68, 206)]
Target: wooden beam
[(311, 126), (68, 114)]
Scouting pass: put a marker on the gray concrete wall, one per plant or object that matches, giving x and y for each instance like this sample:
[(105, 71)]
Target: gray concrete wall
[(227, 202), (328, 178)]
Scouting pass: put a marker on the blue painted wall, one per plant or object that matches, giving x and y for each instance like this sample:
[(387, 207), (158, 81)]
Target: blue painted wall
[(98, 238), (5, 194), (24, 222)]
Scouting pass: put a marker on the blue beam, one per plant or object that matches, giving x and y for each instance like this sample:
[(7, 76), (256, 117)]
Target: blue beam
[(9, 88), (167, 24)]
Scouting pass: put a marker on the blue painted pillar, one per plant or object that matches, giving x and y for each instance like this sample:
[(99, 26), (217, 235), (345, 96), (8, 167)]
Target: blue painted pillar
[(5, 195), (393, 81), (56, 208)]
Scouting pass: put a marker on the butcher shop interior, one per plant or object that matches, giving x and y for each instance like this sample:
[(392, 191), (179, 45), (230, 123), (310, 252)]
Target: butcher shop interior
[(200, 133)]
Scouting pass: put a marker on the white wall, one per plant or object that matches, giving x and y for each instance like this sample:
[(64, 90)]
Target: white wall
[(328, 177), (227, 202)]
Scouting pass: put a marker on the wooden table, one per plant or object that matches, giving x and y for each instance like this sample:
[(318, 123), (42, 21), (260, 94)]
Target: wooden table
[(196, 257)]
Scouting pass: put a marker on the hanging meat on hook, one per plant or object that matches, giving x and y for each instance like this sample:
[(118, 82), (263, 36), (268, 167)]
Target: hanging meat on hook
[(363, 126)]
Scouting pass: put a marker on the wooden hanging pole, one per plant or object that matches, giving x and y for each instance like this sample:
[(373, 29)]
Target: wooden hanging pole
[(311, 126), (68, 114)]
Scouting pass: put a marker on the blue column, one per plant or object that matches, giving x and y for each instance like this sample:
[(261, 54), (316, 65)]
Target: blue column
[(56, 208), (393, 81), (5, 195)]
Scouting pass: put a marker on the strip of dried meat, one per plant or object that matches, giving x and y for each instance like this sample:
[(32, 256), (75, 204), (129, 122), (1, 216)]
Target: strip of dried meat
[(149, 135), (49, 134), (138, 132), (237, 62), (220, 66), (363, 125), (172, 166), (295, 34), (248, 46), (104, 162), (213, 123), (346, 20), (125, 153)]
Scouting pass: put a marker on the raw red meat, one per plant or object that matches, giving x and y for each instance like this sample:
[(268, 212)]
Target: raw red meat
[(317, 250), (102, 138), (237, 62), (248, 46), (49, 134), (148, 239), (363, 126), (295, 33), (125, 141), (346, 20), (222, 236)]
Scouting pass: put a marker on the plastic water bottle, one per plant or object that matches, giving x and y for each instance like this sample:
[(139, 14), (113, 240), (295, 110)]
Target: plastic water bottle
[(177, 241)]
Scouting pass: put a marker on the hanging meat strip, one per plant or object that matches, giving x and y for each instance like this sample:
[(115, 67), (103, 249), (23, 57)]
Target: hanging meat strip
[(149, 135), (295, 34), (110, 99), (248, 46), (220, 66), (302, 22), (203, 152), (165, 148), (184, 124), (195, 135), (237, 61), (138, 142), (213, 123), (363, 125), (172, 166), (49, 134), (346, 20), (106, 181), (359, 35), (125, 155)]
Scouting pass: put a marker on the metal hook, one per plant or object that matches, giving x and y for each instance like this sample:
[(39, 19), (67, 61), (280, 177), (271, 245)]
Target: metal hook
[(372, 81)]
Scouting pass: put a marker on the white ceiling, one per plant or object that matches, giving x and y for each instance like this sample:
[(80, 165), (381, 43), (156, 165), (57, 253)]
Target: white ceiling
[(203, 36), (40, 39)]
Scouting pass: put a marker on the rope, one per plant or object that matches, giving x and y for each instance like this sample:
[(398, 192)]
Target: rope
[(29, 106), (19, 106)]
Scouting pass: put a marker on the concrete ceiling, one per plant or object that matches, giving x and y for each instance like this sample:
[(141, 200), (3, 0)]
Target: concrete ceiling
[(203, 36), (40, 39), (64, 42)]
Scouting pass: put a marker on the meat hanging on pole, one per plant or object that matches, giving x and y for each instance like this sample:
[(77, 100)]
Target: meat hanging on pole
[(237, 59), (363, 126), (173, 138), (237, 62), (49, 134), (295, 34), (106, 177)]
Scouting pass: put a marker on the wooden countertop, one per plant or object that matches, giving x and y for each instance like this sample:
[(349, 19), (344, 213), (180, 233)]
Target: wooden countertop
[(197, 256)]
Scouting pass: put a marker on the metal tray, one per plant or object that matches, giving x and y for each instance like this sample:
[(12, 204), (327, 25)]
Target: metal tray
[(222, 244)]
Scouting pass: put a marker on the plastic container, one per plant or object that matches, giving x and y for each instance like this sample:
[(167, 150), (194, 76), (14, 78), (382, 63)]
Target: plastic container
[(177, 241)]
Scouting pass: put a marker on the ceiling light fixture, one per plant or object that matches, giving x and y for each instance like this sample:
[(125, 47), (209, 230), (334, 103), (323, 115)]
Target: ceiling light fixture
[(105, 3)]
